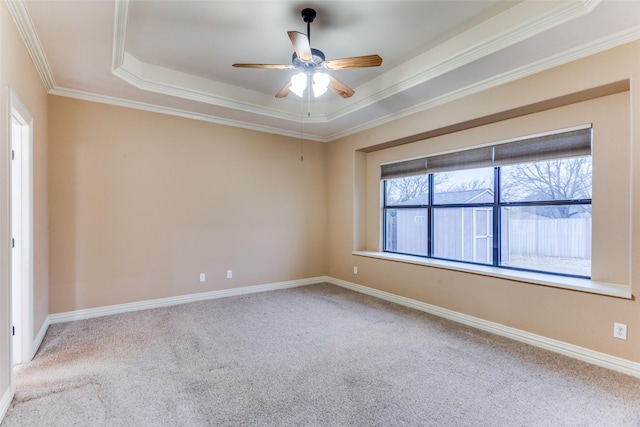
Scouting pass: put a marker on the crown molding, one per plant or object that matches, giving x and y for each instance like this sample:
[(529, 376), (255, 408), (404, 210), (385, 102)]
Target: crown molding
[(160, 80), (119, 32), (154, 108), (470, 46), (580, 52), (22, 19), (543, 21), (518, 23), (164, 81), (600, 45)]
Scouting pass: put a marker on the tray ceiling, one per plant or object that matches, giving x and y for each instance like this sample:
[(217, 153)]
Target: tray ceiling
[(175, 56)]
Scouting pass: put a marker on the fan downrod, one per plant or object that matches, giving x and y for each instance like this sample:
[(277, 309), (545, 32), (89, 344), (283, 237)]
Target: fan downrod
[(308, 15)]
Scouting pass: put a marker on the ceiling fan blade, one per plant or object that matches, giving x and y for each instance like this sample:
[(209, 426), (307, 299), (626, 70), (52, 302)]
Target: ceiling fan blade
[(301, 45), (354, 62), (270, 66), (340, 88), (284, 91)]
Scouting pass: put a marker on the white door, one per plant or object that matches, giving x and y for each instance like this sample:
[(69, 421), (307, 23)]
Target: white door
[(16, 240), (21, 134)]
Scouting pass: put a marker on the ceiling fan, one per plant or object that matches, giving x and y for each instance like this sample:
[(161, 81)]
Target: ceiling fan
[(311, 64)]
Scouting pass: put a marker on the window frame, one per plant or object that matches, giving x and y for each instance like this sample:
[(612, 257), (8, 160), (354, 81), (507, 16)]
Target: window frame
[(497, 206)]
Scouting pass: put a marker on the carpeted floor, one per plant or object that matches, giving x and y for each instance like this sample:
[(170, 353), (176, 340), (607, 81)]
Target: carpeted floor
[(314, 355)]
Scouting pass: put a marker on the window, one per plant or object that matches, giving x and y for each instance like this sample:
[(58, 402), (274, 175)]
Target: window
[(522, 205)]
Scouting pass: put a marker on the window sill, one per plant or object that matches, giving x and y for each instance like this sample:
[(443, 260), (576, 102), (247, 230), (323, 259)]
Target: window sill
[(572, 283)]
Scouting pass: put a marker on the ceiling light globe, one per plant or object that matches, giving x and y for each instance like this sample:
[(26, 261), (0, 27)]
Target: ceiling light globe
[(298, 83), (320, 83)]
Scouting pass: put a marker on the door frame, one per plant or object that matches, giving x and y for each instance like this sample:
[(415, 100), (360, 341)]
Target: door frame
[(24, 329)]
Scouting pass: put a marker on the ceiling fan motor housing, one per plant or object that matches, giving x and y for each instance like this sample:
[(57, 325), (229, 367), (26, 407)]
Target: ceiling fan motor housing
[(317, 58), (308, 67)]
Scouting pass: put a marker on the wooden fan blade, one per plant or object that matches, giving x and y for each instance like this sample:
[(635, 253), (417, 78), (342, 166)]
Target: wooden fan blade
[(340, 88), (270, 66), (354, 62), (284, 91), (301, 45)]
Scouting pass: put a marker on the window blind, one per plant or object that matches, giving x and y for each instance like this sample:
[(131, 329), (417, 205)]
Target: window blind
[(561, 145), (404, 169), (549, 147), (467, 159)]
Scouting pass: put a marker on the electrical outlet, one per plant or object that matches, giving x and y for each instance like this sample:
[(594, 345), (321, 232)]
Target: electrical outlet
[(202, 277), (620, 331), (355, 270), (229, 274)]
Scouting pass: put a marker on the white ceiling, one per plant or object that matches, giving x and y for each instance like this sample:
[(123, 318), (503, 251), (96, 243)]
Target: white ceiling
[(176, 56)]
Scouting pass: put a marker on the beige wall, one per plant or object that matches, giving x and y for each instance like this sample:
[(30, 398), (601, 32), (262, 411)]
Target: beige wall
[(609, 116), (17, 71), (141, 203), (132, 205), (574, 317)]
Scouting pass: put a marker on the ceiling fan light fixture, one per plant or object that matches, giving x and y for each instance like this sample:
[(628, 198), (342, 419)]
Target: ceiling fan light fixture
[(298, 83), (307, 59), (320, 83)]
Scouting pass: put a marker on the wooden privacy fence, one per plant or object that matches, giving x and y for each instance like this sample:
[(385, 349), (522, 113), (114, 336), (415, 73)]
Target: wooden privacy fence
[(536, 237), (554, 237)]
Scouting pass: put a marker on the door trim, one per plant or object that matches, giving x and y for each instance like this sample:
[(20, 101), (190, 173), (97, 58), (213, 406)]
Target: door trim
[(18, 109)]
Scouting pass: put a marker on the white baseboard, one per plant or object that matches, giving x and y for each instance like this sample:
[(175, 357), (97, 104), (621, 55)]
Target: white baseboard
[(7, 397), (35, 345), (594, 357), (182, 299)]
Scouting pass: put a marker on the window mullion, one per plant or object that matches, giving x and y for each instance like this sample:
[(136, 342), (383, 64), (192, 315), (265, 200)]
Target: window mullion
[(430, 217), (497, 231), (385, 183)]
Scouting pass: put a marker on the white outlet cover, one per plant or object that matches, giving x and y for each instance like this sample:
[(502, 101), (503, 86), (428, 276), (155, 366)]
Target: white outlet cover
[(229, 274), (620, 331)]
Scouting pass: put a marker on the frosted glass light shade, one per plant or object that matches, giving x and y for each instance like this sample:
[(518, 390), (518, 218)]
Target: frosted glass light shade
[(298, 83), (320, 83)]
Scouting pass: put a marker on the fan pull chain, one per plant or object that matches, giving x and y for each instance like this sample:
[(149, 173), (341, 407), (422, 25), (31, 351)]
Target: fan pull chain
[(301, 144), (308, 115), (309, 97)]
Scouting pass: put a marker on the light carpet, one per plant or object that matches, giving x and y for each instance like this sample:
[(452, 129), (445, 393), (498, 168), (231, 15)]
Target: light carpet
[(314, 355)]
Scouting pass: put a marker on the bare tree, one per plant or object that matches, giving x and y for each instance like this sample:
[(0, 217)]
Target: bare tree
[(402, 189), (565, 179), (476, 184)]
